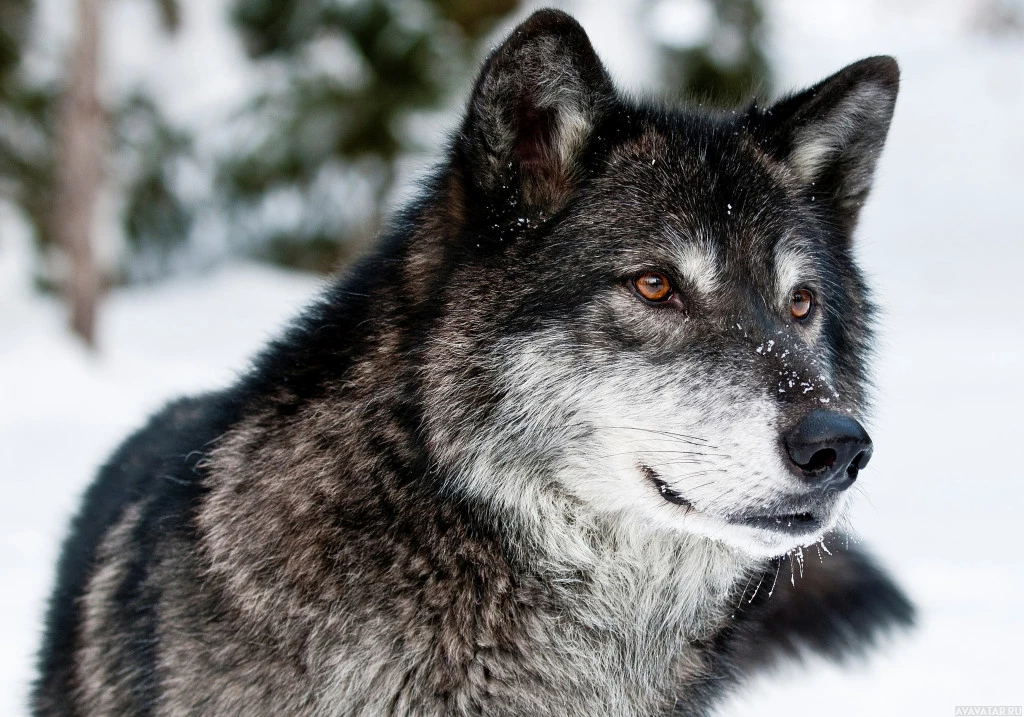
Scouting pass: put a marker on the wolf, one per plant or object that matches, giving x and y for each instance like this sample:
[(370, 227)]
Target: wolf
[(557, 446)]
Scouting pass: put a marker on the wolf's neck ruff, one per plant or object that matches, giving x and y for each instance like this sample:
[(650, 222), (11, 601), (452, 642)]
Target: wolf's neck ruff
[(614, 571)]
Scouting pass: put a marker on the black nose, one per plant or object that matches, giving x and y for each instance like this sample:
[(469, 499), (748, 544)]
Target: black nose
[(829, 449)]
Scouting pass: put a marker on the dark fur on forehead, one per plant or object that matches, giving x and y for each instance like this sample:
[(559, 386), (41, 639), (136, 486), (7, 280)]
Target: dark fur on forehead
[(544, 119)]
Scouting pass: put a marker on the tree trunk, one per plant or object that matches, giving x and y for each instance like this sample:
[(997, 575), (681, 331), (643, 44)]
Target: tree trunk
[(78, 171)]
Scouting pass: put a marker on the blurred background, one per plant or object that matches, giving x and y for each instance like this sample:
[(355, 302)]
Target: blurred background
[(178, 177)]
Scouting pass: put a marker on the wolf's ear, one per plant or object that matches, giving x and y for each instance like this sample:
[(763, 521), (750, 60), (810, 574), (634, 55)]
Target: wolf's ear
[(832, 134), (533, 112)]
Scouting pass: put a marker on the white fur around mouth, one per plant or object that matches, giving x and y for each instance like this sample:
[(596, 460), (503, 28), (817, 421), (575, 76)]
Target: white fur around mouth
[(795, 524)]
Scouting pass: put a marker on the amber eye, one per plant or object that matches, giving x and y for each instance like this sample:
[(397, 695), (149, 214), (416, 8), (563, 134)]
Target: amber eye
[(653, 286), (801, 304)]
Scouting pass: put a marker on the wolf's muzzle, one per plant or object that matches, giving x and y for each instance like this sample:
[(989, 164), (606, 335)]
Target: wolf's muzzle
[(828, 449)]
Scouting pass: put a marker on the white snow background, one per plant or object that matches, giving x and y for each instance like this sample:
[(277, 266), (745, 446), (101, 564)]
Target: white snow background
[(942, 239)]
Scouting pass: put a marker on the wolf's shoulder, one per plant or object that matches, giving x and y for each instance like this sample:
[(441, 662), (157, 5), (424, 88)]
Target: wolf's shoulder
[(163, 456)]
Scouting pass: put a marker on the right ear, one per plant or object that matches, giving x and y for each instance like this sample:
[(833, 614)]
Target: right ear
[(532, 114), (832, 134)]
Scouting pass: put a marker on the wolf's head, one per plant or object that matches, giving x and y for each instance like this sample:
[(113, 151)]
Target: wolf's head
[(653, 312)]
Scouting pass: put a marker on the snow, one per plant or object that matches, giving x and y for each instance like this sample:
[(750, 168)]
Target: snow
[(941, 239)]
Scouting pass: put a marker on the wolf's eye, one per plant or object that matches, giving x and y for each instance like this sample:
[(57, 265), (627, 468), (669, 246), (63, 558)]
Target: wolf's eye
[(653, 286), (801, 304)]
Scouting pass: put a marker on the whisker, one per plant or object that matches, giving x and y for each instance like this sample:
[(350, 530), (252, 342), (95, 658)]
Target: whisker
[(662, 432), (685, 461), (667, 450)]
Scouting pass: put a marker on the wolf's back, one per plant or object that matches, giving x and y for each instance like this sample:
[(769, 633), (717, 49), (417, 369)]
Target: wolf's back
[(146, 491)]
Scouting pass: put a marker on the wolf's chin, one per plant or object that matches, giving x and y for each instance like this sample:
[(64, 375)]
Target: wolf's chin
[(771, 536), (768, 544), (760, 536)]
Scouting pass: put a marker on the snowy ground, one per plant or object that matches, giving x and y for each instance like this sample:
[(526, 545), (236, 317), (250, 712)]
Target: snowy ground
[(941, 238)]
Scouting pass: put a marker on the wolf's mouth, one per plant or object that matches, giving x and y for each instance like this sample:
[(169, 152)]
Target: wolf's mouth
[(794, 523), (663, 488)]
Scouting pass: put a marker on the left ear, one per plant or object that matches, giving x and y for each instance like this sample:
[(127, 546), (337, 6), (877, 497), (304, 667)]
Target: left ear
[(533, 111), (832, 134)]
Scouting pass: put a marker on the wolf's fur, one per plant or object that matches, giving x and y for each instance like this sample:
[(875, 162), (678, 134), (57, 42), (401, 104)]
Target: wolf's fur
[(438, 493)]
